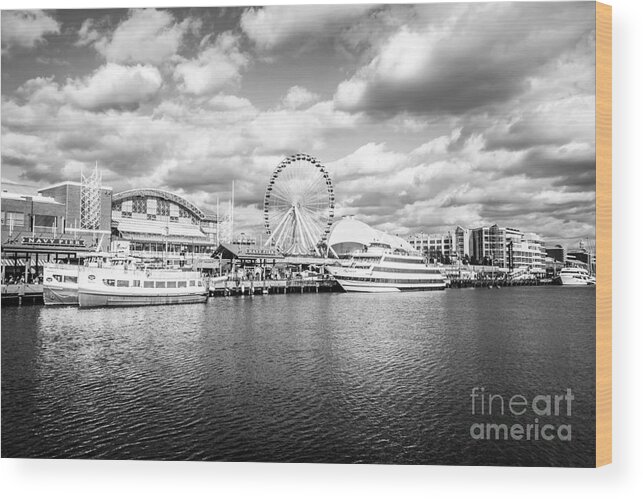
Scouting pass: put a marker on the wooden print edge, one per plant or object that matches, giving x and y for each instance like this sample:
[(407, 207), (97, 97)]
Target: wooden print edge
[(603, 234)]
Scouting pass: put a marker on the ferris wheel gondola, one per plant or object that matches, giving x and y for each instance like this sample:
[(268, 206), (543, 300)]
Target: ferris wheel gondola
[(299, 205)]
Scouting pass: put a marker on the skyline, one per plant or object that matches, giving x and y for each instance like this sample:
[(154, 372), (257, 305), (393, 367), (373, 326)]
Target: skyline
[(424, 120)]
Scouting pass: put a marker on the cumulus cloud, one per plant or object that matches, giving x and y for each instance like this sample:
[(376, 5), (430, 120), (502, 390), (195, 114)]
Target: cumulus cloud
[(114, 86), (274, 27), (26, 28), (426, 116), (147, 36), (453, 66), (87, 34), (216, 67), (298, 97), (453, 179)]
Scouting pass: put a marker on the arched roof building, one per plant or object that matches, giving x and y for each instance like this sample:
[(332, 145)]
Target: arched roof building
[(155, 221), (349, 235)]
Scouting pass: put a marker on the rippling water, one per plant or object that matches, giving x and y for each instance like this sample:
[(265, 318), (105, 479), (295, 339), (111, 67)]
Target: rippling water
[(299, 378)]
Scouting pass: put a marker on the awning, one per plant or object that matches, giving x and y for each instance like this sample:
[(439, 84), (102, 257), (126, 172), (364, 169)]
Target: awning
[(10, 262), (229, 251)]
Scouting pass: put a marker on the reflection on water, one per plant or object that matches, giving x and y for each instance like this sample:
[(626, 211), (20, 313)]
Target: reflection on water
[(314, 377)]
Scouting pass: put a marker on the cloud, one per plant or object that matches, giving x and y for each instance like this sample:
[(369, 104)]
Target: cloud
[(114, 86), (216, 67), (274, 27), (454, 179), (26, 29), (453, 66), (435, 119), (87, 34), (147, 36), (298, 97)]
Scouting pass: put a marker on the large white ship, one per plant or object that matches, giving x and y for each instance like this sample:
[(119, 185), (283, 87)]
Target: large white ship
[(380, 269), (126, 286), (576, 276)]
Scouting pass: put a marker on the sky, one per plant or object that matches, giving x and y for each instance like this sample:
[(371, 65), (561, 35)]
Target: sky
[(426, 116)]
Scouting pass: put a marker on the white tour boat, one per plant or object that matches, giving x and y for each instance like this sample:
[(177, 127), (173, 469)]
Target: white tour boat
[(131, 286), (381, 269), (576, 276)]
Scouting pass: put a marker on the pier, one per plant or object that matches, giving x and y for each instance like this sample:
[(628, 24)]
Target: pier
[(22, 294), (496, 283), (250, 287)]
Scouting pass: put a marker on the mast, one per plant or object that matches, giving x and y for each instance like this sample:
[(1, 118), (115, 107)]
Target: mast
[(232, 214)]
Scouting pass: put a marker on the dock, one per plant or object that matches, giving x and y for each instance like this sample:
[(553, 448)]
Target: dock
[(22, 294), (240, 287), (496, 283)]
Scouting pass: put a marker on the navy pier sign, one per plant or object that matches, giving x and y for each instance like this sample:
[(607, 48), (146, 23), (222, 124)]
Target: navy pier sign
[(53, 241)]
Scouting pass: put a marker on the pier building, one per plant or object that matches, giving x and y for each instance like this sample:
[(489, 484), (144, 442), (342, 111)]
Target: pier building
[(49, 225), (153, 223)]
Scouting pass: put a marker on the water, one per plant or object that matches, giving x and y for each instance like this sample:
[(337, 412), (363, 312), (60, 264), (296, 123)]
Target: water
[(350, 378)]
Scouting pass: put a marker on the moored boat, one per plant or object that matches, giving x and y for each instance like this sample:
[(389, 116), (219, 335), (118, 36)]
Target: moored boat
[(60, 280), (575, 276), (131, 286), (381, 269)]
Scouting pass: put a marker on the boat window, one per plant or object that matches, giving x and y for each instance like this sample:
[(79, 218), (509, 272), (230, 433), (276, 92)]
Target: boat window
[(122, 284), (136, 284), (160, 284), (191, 283), (148, 284), (109, 282), (57, 277), (71, 278), (200, 284), (171, 284), (182, 284)]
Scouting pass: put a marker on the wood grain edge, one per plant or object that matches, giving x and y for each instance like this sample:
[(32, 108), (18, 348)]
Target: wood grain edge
[(603, 234)]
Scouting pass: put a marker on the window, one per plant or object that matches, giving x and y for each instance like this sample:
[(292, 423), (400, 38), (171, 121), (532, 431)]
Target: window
[(57, 278), (191, 283), (151, 217), (71, 278), (182, 284), (163, 207), (136, 284), (13, 218), (126, 214), (200, 284), (171, 284), (45, 221), (139, 205), (174, 219), (160, 284), (148, 284), (122, 284), (109, 282)]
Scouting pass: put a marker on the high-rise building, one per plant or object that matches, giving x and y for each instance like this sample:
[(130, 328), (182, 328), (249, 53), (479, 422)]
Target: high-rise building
[(435, 246), (462, 242), (488, 245)]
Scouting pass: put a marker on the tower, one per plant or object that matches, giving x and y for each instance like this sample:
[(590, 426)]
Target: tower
[(90, 188)]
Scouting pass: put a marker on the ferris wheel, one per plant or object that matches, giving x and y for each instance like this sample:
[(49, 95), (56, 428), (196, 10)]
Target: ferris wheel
[(299, 205)]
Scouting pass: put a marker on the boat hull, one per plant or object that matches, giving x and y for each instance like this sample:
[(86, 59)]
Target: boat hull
[(94, 299), (351, 286), (572, 281), (60, 296)]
